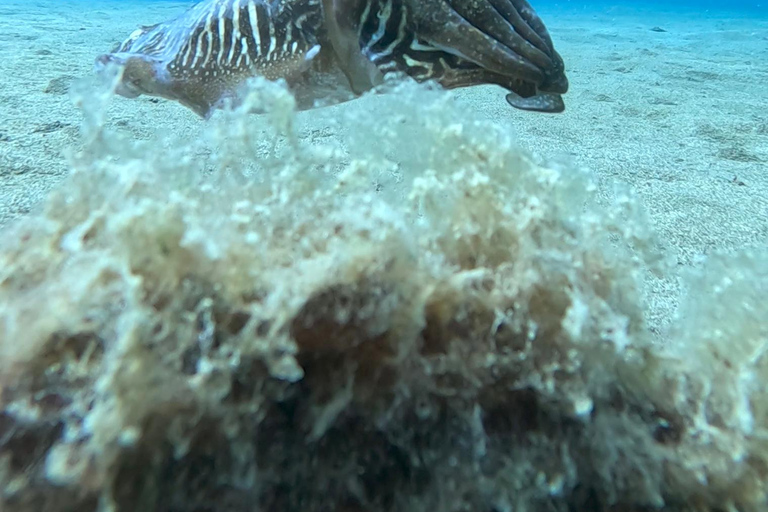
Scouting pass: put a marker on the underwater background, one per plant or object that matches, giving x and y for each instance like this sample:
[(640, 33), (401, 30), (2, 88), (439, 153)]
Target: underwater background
[(419, 299)]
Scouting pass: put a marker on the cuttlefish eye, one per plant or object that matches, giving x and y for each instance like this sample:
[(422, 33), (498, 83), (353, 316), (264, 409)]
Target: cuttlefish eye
[(141, 74)]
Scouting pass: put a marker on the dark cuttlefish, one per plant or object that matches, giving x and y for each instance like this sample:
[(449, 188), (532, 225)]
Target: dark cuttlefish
[(330, 51)]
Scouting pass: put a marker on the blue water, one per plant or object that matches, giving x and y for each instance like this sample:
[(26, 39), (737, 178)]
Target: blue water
[(750, 7)]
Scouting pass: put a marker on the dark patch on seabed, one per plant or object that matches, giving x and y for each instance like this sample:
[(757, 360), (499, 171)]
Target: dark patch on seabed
[(50, 127), (59, 85)]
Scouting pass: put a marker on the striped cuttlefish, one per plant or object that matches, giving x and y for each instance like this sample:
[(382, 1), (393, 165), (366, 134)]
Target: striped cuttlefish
[(329, 51)]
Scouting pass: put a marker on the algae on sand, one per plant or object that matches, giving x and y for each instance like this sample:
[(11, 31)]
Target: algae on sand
[(420, 317)]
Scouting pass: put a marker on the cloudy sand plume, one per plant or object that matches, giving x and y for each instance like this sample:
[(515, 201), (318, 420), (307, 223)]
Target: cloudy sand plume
[(296, 326)]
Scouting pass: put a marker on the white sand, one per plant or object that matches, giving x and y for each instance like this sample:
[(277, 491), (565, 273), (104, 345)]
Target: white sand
[(681, 116)]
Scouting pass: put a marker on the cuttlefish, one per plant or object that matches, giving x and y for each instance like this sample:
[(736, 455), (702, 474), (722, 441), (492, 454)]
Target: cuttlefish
[(329, 51)]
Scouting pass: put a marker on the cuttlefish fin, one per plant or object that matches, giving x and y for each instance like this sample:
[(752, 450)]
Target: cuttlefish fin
[(340, 20)]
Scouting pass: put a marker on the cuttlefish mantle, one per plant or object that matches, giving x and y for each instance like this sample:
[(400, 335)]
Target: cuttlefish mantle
[(328, 51)]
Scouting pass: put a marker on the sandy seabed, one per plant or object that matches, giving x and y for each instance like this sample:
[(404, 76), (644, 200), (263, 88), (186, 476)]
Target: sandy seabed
[(139, 312)]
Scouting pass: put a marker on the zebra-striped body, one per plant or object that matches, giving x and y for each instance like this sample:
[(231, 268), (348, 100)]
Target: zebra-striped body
[(231, 36), (334, 49), (388, 39), (206, 53)]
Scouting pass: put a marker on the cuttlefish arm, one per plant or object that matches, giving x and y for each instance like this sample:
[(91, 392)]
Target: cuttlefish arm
[(529, 25), (485, 17), (506, 41), (441, 26)]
